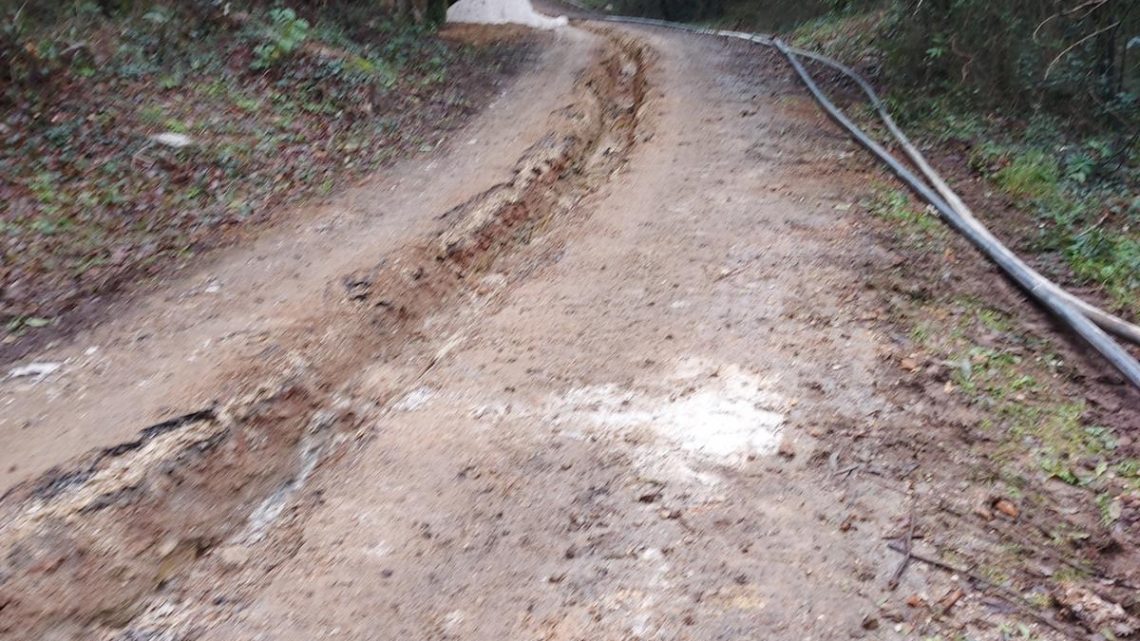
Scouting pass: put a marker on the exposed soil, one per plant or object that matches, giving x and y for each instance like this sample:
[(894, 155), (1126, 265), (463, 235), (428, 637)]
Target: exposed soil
[(628, 358)]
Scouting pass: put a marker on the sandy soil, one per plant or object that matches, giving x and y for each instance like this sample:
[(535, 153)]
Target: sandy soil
[(585, 373)]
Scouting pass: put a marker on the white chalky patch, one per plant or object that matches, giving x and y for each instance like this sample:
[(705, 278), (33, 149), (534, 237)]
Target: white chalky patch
[(723, 417), (171, 139), (502, 12), (379, 550), (414, 400)]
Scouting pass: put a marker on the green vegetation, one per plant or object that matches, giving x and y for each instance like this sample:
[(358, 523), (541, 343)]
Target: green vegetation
[(1032, 175), (1035, 433), (897, 207), (845, 36), (1043, 95), (264, 103), (1092, 226), (284, 35), (1072, 58)]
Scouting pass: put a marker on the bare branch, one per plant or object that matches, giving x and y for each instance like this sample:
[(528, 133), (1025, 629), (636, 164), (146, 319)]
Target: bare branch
[(1077, 44), (1095, 4)]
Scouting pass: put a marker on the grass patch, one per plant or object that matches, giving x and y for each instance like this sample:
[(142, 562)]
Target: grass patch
[(1034, 433), (1033, 174), (1098, 241), (843, 36), (896, 207)]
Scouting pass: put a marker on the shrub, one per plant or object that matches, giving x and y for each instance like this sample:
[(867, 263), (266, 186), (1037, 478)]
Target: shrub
[(285, 33)]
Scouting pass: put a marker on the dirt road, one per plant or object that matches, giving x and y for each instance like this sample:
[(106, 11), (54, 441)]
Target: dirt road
[(573, 375), (597, 457)]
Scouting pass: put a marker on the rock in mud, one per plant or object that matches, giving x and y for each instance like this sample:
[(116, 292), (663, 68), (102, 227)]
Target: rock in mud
[(787, 449), (1007, 507), (37, 370)]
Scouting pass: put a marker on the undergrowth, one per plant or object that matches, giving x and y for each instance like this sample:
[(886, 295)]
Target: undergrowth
[(135, 140), (1079, 184), (1033, 433)]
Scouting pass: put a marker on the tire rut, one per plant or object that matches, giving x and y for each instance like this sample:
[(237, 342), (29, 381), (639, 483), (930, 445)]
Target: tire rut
[(88, 547)]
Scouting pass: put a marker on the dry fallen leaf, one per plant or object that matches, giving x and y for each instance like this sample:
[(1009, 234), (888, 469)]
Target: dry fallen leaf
[(1006, 507), (951, 599)]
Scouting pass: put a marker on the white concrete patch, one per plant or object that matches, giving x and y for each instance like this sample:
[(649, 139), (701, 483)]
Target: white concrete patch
[(502, 12)]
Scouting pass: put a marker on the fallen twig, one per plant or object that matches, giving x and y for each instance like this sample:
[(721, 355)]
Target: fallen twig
[(950, 600), (1005, 594), (908, 549), (1010, 532), (728, 273), (1077, 44)]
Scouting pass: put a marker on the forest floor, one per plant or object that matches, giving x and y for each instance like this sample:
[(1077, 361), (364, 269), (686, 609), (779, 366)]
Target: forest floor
[(96, 202), (647, 349)]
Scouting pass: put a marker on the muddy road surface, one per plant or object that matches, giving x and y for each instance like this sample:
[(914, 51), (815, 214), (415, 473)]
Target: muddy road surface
[(571, 376)]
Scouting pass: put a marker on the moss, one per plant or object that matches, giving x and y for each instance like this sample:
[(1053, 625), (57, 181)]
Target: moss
[(1031, 431)]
